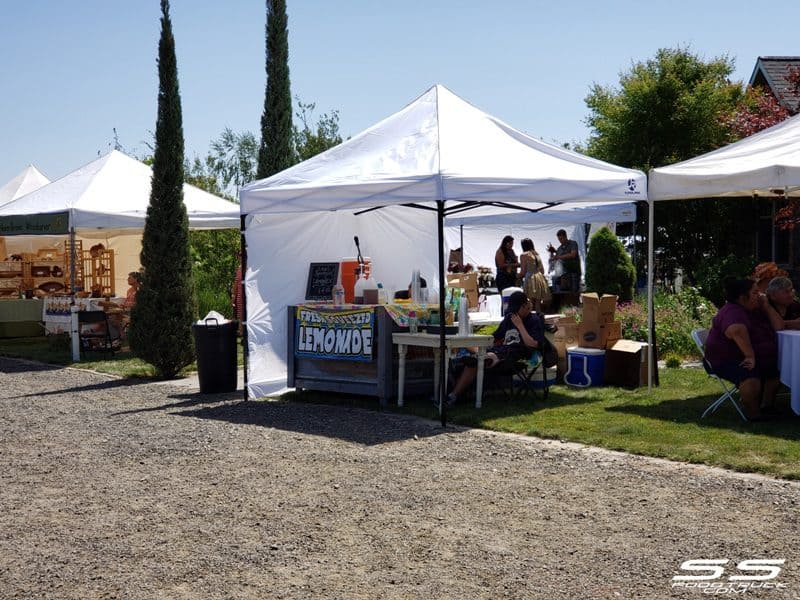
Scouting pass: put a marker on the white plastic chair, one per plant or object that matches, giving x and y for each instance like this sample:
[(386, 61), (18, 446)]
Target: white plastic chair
[(729, 391)]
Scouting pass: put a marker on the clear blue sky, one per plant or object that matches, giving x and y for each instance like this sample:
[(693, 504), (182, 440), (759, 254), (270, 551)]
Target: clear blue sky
[(73, 71)]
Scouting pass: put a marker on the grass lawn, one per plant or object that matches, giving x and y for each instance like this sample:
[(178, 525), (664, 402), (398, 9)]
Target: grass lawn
[(664, 423)]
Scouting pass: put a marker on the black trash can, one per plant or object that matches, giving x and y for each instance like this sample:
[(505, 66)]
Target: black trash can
[(216, 355)]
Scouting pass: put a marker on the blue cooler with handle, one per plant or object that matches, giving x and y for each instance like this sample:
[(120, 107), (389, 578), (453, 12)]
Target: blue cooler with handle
[(585, 367)]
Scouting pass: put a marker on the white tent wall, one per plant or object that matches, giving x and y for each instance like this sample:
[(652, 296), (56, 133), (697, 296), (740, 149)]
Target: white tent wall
[(482, 241), (280, 248)]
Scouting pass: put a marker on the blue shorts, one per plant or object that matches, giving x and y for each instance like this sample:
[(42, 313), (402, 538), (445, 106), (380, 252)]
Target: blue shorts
[(735, 373)]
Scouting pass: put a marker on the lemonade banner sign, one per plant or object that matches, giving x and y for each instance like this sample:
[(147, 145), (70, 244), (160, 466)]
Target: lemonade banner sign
[(334, 334)]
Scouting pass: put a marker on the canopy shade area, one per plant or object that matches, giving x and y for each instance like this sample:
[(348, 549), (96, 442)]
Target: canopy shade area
[(438, 153), (104, 201), (28, 180), (766, 163)]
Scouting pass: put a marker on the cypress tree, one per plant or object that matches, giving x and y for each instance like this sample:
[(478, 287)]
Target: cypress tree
[(609, 269), (161, 319), (276, 151)]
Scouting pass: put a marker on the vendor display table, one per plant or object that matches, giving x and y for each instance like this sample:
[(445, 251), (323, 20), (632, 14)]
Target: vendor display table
[(20, 318), (789, 363), (375, 374), (433, 341), (56, 313)]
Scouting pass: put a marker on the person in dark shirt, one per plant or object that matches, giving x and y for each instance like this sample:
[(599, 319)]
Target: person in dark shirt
[(742, 346), (520, 333), (567, 254)]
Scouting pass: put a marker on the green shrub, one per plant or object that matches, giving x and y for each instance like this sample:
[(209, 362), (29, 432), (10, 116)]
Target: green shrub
[(672, 360), (711, 273), (675, 317), (609, 269)]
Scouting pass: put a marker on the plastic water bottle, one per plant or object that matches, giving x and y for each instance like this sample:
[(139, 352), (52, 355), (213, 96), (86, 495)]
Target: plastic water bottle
[(415, 287), (338, 290), (382, 297), (412, 321), (463, 317)]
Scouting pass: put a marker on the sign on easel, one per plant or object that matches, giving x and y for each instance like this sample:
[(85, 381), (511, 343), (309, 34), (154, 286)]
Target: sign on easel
[(321, 279)]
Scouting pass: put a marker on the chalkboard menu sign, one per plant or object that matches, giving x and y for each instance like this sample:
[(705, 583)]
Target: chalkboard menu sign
[(321, 279)]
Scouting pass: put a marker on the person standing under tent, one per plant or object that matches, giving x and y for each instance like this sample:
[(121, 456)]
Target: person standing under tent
[(532, 270), (566, 254), (505, 259)]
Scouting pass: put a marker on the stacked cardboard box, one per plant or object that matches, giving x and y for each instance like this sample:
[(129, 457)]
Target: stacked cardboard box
[(598, 329), (467, 281)]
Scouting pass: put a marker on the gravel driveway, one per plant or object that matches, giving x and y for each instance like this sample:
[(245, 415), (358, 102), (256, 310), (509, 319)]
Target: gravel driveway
[(114, 489)]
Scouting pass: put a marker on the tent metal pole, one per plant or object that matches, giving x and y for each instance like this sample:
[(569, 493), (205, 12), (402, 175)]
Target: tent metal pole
[(243, 266), (445, 359), (650, 281), (72, 256), (461, 241)]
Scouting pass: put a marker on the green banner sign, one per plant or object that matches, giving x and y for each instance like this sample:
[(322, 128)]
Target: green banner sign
[(53, 224)]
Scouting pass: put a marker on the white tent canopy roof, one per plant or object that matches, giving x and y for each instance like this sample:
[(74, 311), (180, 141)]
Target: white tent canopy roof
[(562, 214), (113, 192), (28, 180), (761, 163), (440, 148)]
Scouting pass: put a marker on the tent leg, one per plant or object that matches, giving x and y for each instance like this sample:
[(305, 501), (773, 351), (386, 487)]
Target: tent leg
[(650, 320), (445, 361), (245, 357)]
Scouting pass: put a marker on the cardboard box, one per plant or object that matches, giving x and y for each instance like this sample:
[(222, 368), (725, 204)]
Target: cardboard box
[(567, 333), (468, 282), (626, 364), (598, 335), (598, 309)]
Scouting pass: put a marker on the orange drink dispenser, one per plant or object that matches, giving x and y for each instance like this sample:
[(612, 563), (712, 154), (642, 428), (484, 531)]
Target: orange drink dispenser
[(349, 267)]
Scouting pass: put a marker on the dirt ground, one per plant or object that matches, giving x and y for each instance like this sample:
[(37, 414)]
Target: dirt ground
[(112, 489)]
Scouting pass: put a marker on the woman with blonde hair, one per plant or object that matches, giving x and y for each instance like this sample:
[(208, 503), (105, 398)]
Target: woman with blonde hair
[(533, 280)]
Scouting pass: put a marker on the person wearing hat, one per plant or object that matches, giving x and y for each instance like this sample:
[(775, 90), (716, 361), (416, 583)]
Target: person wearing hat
[(520, 333)]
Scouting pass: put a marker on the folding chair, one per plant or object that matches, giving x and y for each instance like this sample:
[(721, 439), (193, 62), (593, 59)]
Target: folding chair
[(94, 331), (729, 391)]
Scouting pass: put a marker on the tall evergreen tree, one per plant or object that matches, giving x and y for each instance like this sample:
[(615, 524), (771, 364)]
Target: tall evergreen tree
[(276, 151), (165, 306)]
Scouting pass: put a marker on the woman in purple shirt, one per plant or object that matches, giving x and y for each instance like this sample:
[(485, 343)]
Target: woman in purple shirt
[(742, 346)]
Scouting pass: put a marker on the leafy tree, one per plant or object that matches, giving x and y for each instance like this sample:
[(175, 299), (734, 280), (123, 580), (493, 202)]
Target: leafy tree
[(233, 159), (275, 152), (609, 269), (165, 307), (673, 107), (310, 141)]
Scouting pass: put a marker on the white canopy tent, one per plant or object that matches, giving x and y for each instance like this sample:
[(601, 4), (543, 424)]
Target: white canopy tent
[(26, 181), (766, 164), (106, 200), (438, 153)]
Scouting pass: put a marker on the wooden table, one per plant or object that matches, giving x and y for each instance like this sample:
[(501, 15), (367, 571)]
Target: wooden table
[(428, 340)]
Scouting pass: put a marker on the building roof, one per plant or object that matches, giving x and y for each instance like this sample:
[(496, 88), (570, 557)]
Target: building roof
[(770, 72)]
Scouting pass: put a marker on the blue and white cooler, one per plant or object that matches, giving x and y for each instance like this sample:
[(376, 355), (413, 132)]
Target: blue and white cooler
[(585, 367)]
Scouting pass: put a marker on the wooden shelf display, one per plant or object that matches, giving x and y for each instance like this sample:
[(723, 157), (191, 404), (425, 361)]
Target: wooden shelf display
[(98, 272)]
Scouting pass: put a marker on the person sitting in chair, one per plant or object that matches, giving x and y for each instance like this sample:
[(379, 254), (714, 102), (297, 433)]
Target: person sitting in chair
[(520, 333), (742, 346)]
